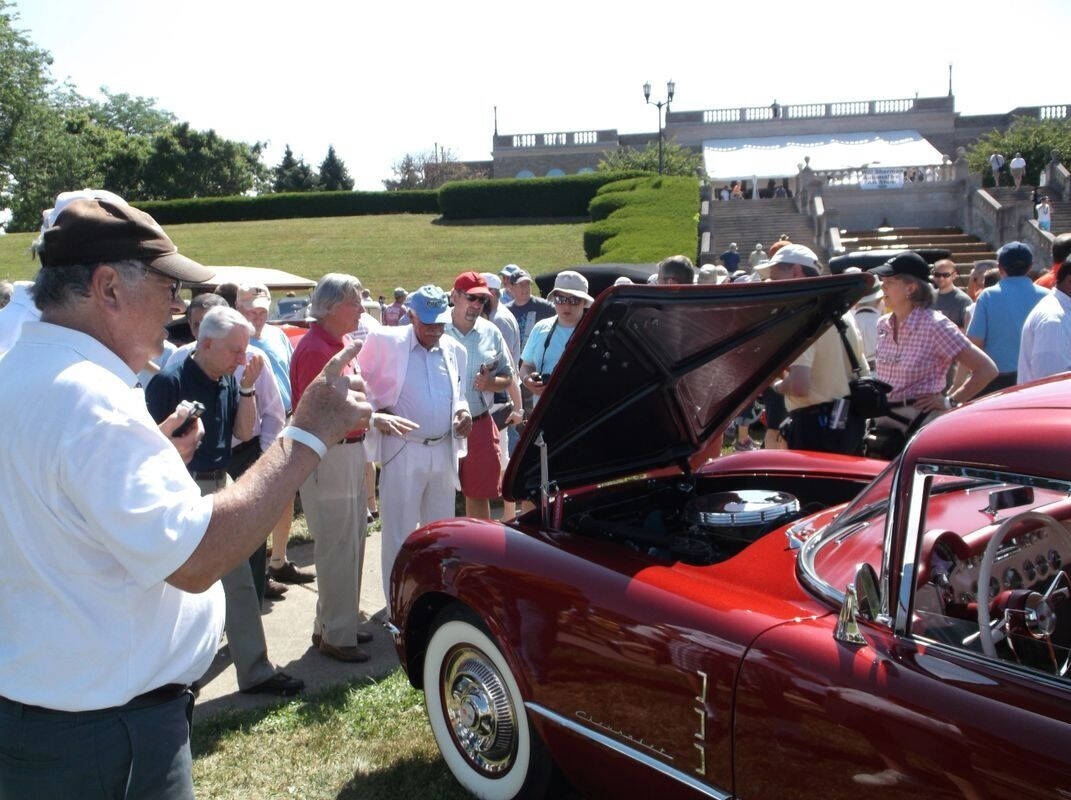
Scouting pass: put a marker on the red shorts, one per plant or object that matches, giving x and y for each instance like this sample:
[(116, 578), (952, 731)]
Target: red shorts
[(480, 470)]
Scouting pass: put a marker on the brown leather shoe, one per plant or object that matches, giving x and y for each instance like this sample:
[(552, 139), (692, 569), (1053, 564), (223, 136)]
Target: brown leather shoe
[(289, 573), (362, 638), (350, 655), (273, 590)]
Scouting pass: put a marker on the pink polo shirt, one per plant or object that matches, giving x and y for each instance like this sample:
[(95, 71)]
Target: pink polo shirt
[(914, 357), (315, 349)]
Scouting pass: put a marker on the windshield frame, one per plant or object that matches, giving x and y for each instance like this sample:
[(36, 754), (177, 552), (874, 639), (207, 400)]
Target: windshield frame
[(852, 513)]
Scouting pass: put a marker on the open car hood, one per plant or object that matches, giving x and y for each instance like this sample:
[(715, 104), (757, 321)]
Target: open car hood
[(654, 374)]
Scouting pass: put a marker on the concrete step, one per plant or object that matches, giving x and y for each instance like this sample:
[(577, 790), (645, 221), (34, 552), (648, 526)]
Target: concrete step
[(903, 231)]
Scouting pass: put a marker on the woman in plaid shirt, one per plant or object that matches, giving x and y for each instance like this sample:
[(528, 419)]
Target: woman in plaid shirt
[(917, 345)]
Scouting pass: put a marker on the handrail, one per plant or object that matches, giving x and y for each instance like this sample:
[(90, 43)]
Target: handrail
[(833, 239)]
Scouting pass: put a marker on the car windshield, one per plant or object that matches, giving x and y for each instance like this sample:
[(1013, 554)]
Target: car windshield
[(873, 499)]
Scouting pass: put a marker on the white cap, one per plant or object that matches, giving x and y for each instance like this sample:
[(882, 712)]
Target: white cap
[(790, 254), (493, 281), (623, 281)]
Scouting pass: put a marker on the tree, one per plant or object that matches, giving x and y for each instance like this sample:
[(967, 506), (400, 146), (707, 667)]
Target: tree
[(676, 160), (333, 174), (1037, 140), (427, 170), (129, 114), (294, 175), (185, 162), (23, 87)]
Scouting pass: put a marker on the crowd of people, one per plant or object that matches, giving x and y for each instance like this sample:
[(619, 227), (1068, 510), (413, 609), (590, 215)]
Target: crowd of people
[(143, 479)]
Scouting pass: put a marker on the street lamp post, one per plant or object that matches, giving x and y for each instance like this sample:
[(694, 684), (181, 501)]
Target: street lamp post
[(670, 87)]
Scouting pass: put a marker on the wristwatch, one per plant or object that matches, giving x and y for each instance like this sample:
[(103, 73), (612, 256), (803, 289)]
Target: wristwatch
[(247, 392)]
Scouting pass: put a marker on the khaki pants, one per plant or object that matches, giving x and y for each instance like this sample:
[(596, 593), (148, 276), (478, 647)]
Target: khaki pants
[(245, 630), (335, 504)]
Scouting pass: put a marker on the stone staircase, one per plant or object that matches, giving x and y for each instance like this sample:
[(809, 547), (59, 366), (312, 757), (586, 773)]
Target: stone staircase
[(964, 248), (748, 221), (1061, 209)]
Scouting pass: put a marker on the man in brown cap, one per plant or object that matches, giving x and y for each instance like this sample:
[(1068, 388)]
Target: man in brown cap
[(112, 606)]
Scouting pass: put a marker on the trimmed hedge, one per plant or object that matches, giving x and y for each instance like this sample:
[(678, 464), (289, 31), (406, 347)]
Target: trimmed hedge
[(288, 205), (643, 220), (567, 196)]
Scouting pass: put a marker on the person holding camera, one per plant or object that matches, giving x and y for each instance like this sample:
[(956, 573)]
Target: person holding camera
[(546, 345), (113, 605)]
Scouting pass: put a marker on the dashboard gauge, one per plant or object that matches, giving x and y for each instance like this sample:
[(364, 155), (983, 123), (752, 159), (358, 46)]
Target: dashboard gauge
[(1031, 572), (1042, 565), (1054, 559), (1012, 579)]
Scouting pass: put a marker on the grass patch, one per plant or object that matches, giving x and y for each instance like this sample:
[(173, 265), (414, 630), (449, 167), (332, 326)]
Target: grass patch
[(360, 740), (383, 251)]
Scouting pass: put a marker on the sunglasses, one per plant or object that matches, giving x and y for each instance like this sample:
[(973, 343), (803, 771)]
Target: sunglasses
[(566, 300), (475, 298), (944, 274)]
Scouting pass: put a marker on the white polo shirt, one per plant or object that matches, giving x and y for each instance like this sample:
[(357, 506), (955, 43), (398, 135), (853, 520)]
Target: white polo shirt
[(1045, 346), (96, 510)]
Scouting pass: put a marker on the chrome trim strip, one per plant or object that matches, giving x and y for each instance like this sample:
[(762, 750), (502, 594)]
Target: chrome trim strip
[(629, 752), (885, 579), (912, 531), (392, 629)]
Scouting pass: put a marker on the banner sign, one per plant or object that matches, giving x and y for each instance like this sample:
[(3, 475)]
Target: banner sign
[(882, 178)]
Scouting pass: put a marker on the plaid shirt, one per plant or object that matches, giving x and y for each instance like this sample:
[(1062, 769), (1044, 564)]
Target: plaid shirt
[(916, 360)]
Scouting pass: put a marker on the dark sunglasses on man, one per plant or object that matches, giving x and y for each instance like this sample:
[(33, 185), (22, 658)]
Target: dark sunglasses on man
[(944, 274)]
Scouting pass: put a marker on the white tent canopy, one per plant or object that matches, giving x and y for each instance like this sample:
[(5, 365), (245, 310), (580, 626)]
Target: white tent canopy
[(780, 156)]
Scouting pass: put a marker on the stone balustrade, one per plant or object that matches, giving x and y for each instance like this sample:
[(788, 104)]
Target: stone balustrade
[(1040, 241), (931, 173), (556, 139), (715, 116)]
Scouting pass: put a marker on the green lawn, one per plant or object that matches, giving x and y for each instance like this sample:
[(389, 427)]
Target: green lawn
[(360, 740), (383, 251)]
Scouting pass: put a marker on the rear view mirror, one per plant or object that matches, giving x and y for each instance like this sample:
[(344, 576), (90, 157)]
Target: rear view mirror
[(1008, 498)]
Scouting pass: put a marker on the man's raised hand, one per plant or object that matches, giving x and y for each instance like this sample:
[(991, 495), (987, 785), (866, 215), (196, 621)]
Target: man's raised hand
[(334, 404)]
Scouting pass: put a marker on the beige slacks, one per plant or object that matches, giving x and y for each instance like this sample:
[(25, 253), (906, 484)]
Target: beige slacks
[(334, 501)]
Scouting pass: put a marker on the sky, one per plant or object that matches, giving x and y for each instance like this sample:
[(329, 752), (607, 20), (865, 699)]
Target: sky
[(380, 79)]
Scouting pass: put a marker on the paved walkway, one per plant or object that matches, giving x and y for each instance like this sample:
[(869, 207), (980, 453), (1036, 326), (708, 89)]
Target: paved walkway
[(288, 628)]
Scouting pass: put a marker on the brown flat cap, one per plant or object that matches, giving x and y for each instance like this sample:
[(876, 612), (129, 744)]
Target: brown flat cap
[(90, 231)]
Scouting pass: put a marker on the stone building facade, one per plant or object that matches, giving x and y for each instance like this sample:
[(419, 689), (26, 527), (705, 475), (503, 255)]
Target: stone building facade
[(935, 118)]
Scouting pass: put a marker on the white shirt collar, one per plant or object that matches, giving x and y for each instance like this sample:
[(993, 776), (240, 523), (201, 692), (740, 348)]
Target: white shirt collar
[(47, 333)]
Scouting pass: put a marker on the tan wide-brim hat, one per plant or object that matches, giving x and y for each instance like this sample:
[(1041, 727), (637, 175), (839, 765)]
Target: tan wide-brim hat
[(574, 284)]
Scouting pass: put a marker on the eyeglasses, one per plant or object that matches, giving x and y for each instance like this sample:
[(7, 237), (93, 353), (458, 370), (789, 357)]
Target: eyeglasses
[(475, 298), (174, 285), (566, 300), (944, 274)]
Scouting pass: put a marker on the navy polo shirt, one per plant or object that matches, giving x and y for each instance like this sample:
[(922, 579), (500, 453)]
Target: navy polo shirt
[(185, 380)]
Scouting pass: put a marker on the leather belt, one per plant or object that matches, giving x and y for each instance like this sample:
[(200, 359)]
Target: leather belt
[(154, 697), (210, 475), (478, 417), (903, 403), (353, 439)]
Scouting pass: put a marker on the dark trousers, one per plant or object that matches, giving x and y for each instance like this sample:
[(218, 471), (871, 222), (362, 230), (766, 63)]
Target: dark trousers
[(242, 458), (112, 753), (1003, 381), (808, 429)]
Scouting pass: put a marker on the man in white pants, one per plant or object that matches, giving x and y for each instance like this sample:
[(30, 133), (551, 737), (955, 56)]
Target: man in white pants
[(415, 373)]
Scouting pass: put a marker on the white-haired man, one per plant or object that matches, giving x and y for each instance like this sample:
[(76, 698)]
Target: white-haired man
[(418, 373), (207, 375), (254, 301), (120, 609), (334, 496)]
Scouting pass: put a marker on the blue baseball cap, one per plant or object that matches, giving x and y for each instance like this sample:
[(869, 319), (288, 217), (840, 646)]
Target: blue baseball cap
[(430, 304), (1016, 255)]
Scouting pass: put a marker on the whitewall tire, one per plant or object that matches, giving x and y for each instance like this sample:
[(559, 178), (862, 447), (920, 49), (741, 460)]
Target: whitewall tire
[(477, 714)]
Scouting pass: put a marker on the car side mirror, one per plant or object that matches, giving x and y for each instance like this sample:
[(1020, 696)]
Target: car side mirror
[(861, 599)]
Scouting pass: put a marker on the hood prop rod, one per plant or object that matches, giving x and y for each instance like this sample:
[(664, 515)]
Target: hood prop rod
[(548, 489)]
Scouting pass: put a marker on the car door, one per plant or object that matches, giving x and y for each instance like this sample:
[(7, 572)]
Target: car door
[(914, 708)]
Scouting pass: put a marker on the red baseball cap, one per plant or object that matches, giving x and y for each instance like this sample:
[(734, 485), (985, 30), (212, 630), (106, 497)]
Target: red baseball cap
[(472, 283)]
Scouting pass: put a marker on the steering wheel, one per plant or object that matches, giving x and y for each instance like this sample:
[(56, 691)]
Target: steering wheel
[(1038, 613)]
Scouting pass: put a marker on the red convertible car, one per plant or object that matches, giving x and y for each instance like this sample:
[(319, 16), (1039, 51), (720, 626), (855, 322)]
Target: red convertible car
[(772, 624)]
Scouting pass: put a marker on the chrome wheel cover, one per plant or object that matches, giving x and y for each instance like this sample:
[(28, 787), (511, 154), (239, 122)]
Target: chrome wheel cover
[(478, 710)]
